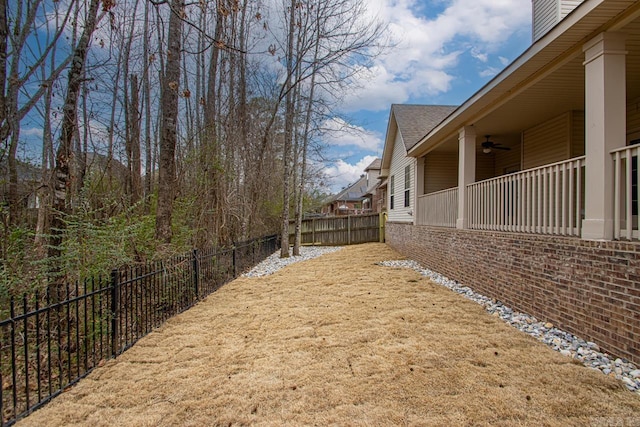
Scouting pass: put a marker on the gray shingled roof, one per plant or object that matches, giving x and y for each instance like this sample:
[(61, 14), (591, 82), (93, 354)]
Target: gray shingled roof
[(353, 193), (415, 121), (376, 164)]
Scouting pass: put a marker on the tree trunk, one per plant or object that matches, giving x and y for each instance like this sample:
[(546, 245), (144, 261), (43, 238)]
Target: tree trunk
[(64, 156), (45, 191), (288, 135), (169, 106), (148, 121), (4, 36), (133, 143), (305, 139), (14, 202)]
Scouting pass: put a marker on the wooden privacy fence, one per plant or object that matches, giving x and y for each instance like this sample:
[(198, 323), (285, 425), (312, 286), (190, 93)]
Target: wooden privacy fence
[(340, 230), (50, 340)]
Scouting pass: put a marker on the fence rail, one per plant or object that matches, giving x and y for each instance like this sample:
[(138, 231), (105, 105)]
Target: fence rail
[(339, 230), (438, 209), (625, 194), (544, 200), (53, 339)]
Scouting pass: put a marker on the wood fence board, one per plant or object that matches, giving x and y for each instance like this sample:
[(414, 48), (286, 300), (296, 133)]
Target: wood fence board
[(336, 231)]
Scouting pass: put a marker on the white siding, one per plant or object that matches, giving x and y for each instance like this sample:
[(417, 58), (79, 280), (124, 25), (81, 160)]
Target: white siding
[(507, 160), (440, 171), (577, 133), (566, 6), (546, 14), (633, 116), (399, 161), (548, 142)]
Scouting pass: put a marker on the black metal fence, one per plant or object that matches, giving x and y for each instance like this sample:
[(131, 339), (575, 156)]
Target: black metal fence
[(51, 340)]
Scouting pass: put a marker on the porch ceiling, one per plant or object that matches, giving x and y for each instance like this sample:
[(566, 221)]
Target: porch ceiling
[(560, 92), (543, 83)]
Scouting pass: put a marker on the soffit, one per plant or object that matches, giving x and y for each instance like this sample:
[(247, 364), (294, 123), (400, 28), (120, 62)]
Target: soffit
[(545, 81)]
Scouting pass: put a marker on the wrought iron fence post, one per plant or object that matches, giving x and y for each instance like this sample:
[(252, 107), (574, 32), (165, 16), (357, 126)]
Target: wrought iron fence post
[(196, 274), (115, 302)]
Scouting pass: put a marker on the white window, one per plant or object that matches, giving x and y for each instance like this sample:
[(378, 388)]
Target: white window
[(392, 191), (407, 186)]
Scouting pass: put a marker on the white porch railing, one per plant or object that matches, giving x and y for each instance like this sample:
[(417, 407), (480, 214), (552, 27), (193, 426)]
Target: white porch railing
[(625, 194), (439, 208), (544, 200)]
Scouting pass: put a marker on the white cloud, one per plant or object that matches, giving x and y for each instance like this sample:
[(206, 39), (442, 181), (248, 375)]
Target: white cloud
[(428, 48), (489, 72), (32, 132), (337, 132), (341, 174)]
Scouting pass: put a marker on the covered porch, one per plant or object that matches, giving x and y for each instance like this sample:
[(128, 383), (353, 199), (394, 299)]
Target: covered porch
[(550, 146)]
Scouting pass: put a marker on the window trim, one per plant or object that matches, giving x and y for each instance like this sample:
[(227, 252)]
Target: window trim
[(407, 186), (392, 182)]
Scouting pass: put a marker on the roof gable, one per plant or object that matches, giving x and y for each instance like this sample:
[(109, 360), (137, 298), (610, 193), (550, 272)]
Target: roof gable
[(355, 192), (415, 121), (375, 165)]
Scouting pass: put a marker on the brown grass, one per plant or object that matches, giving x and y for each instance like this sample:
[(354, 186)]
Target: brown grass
[(339, 340)]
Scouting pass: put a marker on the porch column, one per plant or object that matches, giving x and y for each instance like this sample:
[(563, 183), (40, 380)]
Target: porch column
[(466, 171), (605, 128), (419, 190)]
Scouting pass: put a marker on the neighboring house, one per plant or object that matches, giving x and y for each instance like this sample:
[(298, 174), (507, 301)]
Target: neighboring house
[(374, 195), (29, 177), (357, 198), (528, 191), (407, 124)]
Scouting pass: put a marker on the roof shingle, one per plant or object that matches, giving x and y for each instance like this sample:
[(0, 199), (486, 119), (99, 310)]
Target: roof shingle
[(415, 121)]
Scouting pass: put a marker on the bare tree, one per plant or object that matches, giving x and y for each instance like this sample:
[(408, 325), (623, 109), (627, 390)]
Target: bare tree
[(169, 138), (13, 109), (133, 143), (64, 156)]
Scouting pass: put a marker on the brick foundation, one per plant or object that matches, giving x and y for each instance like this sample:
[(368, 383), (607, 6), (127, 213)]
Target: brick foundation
[(589, 288)]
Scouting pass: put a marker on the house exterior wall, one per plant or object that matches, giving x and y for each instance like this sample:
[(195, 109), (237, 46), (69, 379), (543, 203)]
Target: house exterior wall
[(555, 140), (485, 166), (547, 13), (440, 171), (547, 143), (577, 133), (508, 161), (399, 161), (382, 199), (566, 6), (633, 116), (590, 288)]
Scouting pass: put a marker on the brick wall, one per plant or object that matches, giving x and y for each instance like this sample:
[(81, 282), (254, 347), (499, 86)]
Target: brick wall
[(589, 288)]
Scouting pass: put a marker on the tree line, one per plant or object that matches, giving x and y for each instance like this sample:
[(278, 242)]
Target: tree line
[(133, 128)]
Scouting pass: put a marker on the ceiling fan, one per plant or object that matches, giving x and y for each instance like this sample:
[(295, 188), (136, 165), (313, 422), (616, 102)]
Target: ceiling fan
[(487, 146)]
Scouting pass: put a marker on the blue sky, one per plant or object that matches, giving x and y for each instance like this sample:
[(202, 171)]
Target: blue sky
[(445, 51)]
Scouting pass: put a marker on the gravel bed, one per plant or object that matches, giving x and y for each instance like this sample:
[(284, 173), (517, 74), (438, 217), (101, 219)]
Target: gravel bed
[(274, 263), (564, 342)]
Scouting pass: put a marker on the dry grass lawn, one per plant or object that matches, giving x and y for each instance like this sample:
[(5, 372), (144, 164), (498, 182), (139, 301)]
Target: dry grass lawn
[(339, 340)]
